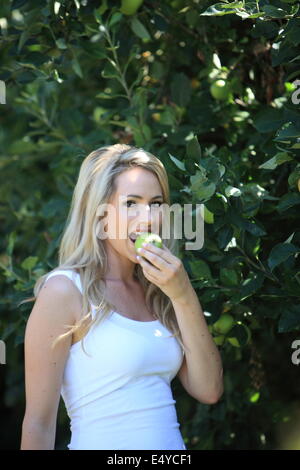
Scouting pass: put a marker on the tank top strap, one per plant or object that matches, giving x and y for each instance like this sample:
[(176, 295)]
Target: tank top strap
[(71, 274), (74, 276)]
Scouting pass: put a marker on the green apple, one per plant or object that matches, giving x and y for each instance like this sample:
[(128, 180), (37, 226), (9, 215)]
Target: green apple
[(224, 324), (147, 237), (129, 7), (235, 342), (219, 340), (220, 90), (208, 216)]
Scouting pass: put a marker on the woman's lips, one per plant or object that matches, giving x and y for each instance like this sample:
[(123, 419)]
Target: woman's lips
[(131, 242)]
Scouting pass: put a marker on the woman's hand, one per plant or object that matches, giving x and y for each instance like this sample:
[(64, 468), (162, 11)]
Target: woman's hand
[(167, 271)]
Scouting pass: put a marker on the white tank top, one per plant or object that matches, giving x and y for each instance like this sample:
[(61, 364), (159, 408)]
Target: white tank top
[(120, 397)]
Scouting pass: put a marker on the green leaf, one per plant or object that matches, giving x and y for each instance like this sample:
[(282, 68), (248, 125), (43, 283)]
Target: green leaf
[(109, 71), (193, 149), (198, 179), (281, 253), (98, 14), (289, 319), (292, 32), (29, 262), (35, 58), (275, 161), (228, 277), (292, 131), (254, 229), (200, 269), (206, 191), (287, 201), (11, 242), (61, 43), (26, 76), (20, 147), (232, 191), (220, 9), (201, 187), (76, 67), (24, 36), (268, 120), (249, 286), (177, 162), (107, 96), (139, 29), (273, 11), (181, 89), (294, 177), (116, 17), (18, 4), (147, 132), (224, 236), (245, 224)]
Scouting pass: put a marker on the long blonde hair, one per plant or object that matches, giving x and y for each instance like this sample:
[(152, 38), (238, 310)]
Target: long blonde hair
[(81, 250)]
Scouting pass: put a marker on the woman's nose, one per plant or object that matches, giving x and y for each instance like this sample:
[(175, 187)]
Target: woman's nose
[(147, 219), (144, 213)]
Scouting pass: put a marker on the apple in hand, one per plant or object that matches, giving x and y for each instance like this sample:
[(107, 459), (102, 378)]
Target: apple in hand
[(147, 237)]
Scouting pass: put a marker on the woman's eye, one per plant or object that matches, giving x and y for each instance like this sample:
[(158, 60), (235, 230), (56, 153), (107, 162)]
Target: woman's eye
[(153, 203), (157, 202), (128, 202)]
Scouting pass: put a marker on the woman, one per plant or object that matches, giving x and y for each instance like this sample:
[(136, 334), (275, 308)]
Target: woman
[(139, 318)]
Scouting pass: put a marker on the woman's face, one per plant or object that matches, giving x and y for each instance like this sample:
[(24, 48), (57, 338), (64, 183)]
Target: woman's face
[(136, 205)]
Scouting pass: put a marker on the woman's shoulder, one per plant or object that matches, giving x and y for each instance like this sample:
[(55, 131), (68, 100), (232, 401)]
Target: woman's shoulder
[(72, 274)]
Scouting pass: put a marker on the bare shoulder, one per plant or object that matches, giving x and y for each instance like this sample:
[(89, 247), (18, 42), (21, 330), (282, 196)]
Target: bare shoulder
[(60, 291), (55, 309)]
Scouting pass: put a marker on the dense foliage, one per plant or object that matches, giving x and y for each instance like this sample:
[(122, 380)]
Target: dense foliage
[(213, 90)]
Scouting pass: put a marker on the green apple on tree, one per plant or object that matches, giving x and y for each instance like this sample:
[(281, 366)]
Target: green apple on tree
[(129, 7), (220, 90), (223, 324), (208, 216), (219, 340), (235, 342)]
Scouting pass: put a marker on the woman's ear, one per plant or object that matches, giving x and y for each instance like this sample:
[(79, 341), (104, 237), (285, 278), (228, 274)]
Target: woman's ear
[(102, 215), (101, 227)]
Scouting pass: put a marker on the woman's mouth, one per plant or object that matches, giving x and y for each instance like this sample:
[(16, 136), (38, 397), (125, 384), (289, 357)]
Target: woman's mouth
[(134, 235)]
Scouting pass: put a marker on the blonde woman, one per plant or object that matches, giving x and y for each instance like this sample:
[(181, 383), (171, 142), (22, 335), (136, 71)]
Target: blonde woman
[(133, 324)]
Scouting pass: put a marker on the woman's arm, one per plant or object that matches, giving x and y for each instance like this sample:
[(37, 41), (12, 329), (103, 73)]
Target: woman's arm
[(37, 436), (44, 367), (201, 374)]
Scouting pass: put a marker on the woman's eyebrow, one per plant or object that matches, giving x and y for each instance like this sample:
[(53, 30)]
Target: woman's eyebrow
[(140, 197)]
